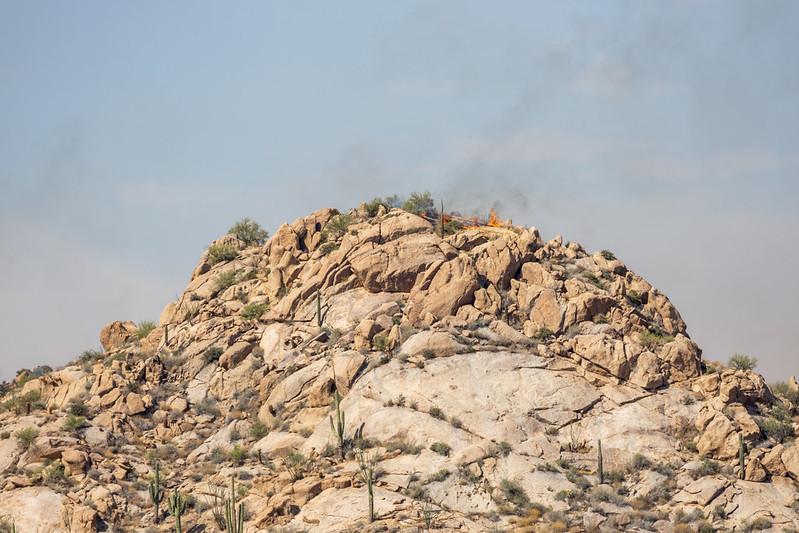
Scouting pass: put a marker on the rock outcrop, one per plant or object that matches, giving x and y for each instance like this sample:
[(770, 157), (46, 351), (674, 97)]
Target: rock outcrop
[(478, 373)]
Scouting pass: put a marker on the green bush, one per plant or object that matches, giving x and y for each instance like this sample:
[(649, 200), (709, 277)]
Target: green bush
[(420, 203), (144, 328), (253, 310), (441, 448), (249, 231), (504, 448), (226, 279), (26, 437), (634, 298), (740, 361), (778, 426), (219, 252), (77, 407), (404, 447), (212, 354), (259, 430), (336, 227), (607, 255), (441, 475), (237, 455), (653, 339), (373, 207), (514, 493), (73, 423), (543, 334), (435, 412)]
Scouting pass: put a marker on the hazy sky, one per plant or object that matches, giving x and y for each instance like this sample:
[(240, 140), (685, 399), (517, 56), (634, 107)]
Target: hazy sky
[(132, 134)]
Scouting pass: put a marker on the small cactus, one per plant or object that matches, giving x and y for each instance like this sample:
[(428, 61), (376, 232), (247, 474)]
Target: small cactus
[(337, 427), (156, 492), (366, 471), (599, 466), (177, 506)]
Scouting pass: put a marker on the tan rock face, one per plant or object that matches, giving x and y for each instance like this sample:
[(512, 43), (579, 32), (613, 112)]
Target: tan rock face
[(790, 458), (499, 358), (117, 334)]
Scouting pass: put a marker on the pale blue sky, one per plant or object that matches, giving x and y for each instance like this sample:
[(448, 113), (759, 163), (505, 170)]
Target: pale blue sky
[(132, 134)]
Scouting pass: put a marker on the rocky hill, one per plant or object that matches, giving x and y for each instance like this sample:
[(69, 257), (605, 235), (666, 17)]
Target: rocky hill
[(360, 364)]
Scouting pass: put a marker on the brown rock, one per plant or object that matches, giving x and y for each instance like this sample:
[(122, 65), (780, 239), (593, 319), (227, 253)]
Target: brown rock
[(547, 311), (235, 354), (772, 461), (443, 289), (755, 471), (790, 458), (117, 334), (75, 461)]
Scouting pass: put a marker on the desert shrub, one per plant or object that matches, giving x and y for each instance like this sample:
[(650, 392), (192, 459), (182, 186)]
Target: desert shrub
[(634, 298), (605, 494), (504, 448), (740, 361), (220, 252), (237, 454), (546, 467), (435, 412), (607, 255), (514, 493), (778, 426), (212, 354), (404, 447), (328, 247), (420, 203), (639, 462), (653, 339), (144, 328), (708, 467), (295, 464), (373, 207), (441, 448), (73, 423), (543, 334), (440, 475), (226, 279), (253, 310), (207, 407), (90, 356), (249, 231), (336, 227), (55, 474), (258, 430), (757, 524), (380, 342), (456, 422), (26, 437)]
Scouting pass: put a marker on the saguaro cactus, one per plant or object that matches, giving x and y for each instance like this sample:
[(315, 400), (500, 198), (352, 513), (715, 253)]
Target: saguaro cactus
[(337, 427), (156, 492), (177, 506), (600, 470), (366, 471), (741, 454), (234, 516)]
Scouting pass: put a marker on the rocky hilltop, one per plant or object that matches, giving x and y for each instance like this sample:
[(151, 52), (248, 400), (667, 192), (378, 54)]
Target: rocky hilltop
[(361, 372)]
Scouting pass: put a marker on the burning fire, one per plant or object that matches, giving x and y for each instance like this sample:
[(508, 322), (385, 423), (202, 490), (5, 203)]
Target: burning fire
[(493, 221)]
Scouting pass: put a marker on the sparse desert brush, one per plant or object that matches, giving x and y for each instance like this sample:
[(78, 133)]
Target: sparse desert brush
[(741, 361), (220, 252), (144, 328), (253, 310)]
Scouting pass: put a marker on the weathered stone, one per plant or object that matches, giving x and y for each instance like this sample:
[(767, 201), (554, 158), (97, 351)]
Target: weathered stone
[(117, 334)]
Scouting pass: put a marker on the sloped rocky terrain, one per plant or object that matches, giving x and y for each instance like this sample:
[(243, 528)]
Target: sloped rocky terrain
[(488, 381)]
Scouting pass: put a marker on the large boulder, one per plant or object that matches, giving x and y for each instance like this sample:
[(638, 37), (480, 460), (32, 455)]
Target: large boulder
[(117, 334)]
